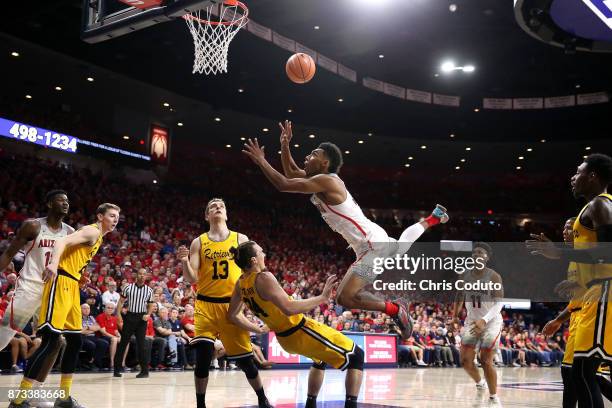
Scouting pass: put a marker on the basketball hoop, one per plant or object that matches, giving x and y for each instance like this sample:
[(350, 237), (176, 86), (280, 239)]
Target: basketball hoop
[(213, 29)]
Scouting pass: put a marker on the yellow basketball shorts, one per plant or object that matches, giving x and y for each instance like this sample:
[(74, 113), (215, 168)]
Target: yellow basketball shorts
[(568, 356), (211, 323), (319, 342), (594, 327), (60, 308)]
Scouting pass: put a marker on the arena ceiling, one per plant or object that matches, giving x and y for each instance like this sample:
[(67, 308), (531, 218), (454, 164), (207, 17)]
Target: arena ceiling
[(414, 36)]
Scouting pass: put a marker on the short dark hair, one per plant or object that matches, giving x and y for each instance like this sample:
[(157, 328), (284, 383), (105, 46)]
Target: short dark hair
[(103, 208), (51, 195), (601, 165), (212, 200), (484, 246), (334, 155), (243, 254)]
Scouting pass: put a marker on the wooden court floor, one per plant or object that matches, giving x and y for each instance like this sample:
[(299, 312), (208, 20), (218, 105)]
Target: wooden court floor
[(429, 387)]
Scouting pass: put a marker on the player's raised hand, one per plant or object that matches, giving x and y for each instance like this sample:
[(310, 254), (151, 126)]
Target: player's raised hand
[(329, 286), (264, 329), (49, 273), (252, 149), (286, 132), (182, 253), (540, 244), (478, 327), (551, 328)]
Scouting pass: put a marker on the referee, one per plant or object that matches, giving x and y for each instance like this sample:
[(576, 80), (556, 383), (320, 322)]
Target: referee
[(140, 305)]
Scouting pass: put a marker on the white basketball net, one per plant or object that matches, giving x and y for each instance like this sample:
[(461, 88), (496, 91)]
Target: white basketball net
[(212, 30)]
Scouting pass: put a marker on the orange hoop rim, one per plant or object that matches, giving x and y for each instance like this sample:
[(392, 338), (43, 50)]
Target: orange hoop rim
[(230, 3)]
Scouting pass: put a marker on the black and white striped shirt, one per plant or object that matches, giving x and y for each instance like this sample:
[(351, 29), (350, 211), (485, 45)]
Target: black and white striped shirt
[(137, 297)]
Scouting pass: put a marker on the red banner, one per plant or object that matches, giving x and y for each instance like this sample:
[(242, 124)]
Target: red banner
[(380, 349), (160, 141), (276, 353)]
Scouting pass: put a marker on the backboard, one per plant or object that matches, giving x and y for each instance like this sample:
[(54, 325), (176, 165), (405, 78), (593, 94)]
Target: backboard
[(106, 19)]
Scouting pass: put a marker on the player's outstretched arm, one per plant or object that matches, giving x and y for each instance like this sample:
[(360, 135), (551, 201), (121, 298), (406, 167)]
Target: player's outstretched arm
[(270, 290), (458, 305), (28, 232), (190, 259), (87, 235), (235, 315), (290, 168)]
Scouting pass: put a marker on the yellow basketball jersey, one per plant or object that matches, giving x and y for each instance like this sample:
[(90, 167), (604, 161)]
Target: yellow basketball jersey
[(584, 237), (75, 259), (572, 275), (218, 272), (267, 311)]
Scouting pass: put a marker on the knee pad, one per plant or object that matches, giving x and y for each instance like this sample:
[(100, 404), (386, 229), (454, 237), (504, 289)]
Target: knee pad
[(247, 364), (355, 361), (320, 365), (204, 352)]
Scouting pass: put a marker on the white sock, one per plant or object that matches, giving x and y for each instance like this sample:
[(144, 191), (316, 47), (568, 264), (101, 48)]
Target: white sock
[(481, 382), (410, 234), (493, 396)]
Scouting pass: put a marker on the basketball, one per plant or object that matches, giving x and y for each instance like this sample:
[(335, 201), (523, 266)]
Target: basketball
[(300, 68)]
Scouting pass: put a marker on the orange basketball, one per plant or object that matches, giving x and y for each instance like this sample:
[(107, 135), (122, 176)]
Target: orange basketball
[(300, 68)]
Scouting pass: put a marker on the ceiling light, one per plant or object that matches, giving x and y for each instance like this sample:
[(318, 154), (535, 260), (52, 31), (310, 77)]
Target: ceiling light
[(518, 167), (476, 110), (457, 168), (381, 56), (462, 160), (154, 181), (587, 148), (369, 134), (360, 142), (15, 54), (452, 135), (90, 79), (468, 149), (452, 8), (228, 145), (410, 158), (347, 152), (240, 90), (296, 145), (407, 165), (530, 149), (316, 27), (469, 68), (58, 88), (279, 152), (543, 141), (126, 137), (166, 104), (289, 110), (423, 147), (584, 157), (577, 86), (447, 66), (180, 124), (340, 100), (521, 157), (217, 119), (265, 129), (243, 138), (171, 109), (311, 136), (28, 96)]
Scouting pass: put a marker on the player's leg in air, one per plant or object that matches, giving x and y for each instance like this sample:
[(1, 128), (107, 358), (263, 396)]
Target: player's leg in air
[(352, 293)]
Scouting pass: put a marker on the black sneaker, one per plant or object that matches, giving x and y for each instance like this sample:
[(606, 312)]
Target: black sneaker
[(69, 403), (117, 374), (403, 320), (264, 404), (142, 374), (24, 404)]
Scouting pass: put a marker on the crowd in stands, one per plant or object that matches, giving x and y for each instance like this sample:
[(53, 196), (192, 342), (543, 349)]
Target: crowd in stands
[(301, 252)]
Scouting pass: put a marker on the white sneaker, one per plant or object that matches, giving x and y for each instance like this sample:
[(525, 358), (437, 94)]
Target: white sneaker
[(421, 363), (494, 401), (216, 364), (481, 386), (232, 366)]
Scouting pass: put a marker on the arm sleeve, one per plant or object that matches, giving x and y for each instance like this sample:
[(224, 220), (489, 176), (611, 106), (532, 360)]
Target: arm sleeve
[(494, 311)]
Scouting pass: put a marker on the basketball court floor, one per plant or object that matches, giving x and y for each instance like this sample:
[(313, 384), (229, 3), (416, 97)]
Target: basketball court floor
[(429, 387)]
